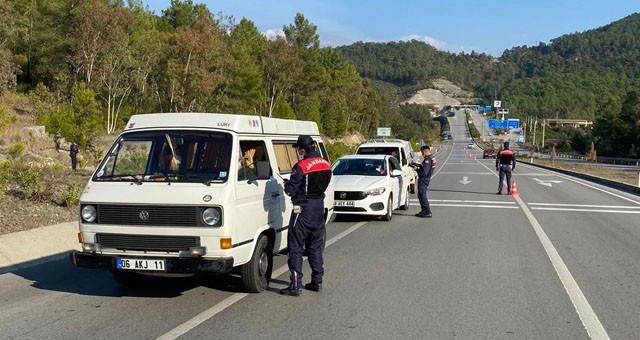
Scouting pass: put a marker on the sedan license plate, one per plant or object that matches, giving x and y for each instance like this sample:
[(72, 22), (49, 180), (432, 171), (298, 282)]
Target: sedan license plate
[(140, 264), (344, 204)]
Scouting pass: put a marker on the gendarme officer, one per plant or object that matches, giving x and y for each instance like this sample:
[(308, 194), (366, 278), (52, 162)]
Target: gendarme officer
[(505, 163), (425, 171), (309, 179)]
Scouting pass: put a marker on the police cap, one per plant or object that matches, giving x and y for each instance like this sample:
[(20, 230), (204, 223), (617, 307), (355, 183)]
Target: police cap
[(303, 141), (506, 144), (424, 147)]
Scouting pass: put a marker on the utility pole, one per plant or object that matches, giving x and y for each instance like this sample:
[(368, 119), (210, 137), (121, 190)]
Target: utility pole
[(543, 125)]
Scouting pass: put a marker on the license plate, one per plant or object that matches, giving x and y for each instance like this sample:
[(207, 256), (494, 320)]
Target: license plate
[(140, 264), (344, 204)]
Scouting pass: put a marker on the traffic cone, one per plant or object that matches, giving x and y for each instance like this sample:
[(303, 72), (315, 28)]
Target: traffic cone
[(514, 190)]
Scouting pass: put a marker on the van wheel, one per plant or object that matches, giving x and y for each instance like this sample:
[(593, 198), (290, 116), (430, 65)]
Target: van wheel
[(389, 214), (128, 279), (405, 206), (256, 273)]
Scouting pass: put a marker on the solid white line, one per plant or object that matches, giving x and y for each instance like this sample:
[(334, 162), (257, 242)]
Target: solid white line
[(472, 206), (589, 210), (466, 201), (466, 173), (228, 302), (583, 308), (587, 205)]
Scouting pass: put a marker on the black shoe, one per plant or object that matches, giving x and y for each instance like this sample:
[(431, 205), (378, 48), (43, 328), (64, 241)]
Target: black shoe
[(290, 291), (428, 214), (316, 287), (499, 193), (424, 214)]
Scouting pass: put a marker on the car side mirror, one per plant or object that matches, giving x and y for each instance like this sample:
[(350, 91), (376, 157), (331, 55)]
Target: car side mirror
[(396, 173)]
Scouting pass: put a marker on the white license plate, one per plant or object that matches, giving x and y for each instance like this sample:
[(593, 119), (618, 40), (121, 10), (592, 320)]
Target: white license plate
[(344, 204), (140, 264)]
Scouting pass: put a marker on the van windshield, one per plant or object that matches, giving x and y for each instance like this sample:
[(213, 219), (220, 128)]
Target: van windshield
[(379, 150), (168, 155)]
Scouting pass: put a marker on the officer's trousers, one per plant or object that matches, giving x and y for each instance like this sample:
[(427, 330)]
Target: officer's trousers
[(306, 230), (422, 195), (505, 171)]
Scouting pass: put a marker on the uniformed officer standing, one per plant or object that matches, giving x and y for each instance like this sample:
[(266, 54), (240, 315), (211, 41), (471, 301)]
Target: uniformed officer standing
[(505, 163), (425, 171), (309, 179)]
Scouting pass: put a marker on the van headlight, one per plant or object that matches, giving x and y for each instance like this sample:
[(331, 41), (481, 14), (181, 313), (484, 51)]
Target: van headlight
[(211, 216), (375, 192), (89, 213)]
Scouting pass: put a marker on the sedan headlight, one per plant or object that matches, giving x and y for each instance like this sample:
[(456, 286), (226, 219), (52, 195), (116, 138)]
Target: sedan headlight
[(89, 213), (375, 192), (211, 216)]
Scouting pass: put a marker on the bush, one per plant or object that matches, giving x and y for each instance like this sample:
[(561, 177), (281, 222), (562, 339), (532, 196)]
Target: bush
[(70, 193), (6, 175), (17, 149), (6, 119), (29, 181), (337, 150)]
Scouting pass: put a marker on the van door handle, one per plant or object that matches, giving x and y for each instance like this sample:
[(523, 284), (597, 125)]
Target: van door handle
[(275, 194)]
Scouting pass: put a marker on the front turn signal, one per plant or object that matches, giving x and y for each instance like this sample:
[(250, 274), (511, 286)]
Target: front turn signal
[(225, 243), (80, 237)]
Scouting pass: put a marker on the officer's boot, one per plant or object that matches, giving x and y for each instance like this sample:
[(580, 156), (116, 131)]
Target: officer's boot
[(316, 287), (428, 213), (422, 212), (294, 286)]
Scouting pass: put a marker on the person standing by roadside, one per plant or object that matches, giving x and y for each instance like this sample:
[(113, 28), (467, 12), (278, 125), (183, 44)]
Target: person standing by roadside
[(505, 163), (309, 179), (424, 171), (73, 153)]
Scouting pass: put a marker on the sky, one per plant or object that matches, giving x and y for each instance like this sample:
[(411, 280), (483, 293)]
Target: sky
[(484, 26)]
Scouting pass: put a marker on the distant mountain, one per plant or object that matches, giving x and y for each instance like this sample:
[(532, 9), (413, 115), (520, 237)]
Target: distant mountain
[(574, 76)]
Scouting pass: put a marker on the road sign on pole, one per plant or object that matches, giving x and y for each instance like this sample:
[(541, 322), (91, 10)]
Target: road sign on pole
[(497, 103), (384, 131)]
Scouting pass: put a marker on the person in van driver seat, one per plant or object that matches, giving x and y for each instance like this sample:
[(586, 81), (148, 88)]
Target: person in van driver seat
[(309, 179)]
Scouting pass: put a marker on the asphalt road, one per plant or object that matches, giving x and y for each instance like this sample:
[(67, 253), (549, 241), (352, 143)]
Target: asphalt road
[(557, 261)]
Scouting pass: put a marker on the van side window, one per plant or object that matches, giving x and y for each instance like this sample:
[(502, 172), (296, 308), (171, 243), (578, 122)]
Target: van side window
[(323, 152), (286, 156), (404, 157), (250, 153)]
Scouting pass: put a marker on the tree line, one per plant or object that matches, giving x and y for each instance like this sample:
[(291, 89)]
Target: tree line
[(88, 65)]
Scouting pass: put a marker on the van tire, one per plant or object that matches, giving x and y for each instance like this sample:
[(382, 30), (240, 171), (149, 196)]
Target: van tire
[(128, 279), (405, 206), (256, 273), (389, 215)]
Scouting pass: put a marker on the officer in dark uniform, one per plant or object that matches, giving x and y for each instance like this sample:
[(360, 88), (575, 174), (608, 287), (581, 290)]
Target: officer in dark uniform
[(309, 179), (505, 163), (425, 171), (73, 152)]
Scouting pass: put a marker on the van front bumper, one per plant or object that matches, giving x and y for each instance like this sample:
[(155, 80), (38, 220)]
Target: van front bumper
[(192, 265)]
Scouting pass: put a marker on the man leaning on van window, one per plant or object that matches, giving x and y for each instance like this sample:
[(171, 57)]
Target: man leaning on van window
[(309, 179)]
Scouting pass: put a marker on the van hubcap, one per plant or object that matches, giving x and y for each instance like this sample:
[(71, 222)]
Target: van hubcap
[(263, 264)]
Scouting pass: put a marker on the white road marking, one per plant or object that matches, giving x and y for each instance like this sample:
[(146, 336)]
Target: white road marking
[(590, 210), (467, 204), (466, 173), (469, 201), (583, 308), (465, 180), (228, 302), (548, 182), (586, 205)]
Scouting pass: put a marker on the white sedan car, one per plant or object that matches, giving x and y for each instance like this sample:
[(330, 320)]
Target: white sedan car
[(369, 185)]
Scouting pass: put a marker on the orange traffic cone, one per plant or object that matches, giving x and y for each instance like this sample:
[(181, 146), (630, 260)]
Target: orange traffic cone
[(514, 190)]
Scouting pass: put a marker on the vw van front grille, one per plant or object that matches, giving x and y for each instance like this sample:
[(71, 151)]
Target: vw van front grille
[(147, 242), (180, 216)]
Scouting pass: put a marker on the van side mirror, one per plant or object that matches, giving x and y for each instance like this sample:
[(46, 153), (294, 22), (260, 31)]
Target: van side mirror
[(396, 173), (263, 170)]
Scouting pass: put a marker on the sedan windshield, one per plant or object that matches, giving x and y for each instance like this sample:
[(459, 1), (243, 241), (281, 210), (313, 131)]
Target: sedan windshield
[(362, 167), (176, 156)]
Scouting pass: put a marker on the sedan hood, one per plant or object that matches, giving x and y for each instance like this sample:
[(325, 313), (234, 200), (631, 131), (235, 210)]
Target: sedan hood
[(358, 182)]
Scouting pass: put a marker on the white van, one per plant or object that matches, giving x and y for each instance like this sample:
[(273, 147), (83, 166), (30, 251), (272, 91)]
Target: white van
[(189, 193), (399, 148)]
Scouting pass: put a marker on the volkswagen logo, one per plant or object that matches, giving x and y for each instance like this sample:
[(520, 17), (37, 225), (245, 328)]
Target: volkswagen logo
[(144, 215), (343, 195)]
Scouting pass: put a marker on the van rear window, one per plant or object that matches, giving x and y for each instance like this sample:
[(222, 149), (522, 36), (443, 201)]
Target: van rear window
[(377, 150)]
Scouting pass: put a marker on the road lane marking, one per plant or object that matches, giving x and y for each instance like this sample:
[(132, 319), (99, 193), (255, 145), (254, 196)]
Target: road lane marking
[(586, 205), (470, 201), (228, 302), (466, 173), (589, 210), (583, 308), (466, 204), (588, 317)]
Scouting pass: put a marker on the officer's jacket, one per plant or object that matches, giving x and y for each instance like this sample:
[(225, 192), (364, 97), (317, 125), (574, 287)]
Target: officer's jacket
[(426, 168), (309, 179), (506, 157)]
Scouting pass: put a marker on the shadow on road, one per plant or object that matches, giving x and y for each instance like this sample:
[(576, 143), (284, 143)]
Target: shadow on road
[(60, 275)]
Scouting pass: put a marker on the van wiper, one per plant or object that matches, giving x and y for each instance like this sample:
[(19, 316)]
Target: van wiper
[(124, 177)]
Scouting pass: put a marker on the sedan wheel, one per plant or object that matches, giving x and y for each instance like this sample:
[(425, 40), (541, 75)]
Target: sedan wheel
[(389, 214), (405, 206)]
